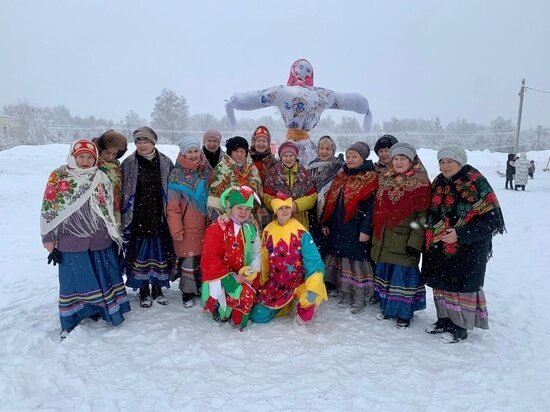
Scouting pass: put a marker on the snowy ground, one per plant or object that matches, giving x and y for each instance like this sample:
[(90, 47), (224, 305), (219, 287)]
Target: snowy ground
[(171, 358)]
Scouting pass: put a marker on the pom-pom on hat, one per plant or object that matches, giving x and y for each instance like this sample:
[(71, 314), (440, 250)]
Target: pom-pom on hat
[(404, 149), (146, 133), (188, 143), (233, 196), (385, 142), (84, 146), (288, 146), (236, 142), (362, 148), (212, 133), (281, 200), (453, 152)]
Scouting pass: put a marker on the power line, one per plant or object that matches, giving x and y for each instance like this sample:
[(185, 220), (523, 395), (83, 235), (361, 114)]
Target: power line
[(538, 90)]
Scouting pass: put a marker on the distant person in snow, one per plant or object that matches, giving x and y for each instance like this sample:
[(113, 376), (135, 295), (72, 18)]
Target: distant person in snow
[(149, 250), (291, 268), (382, 149), (464, 216), (400, 210), (510, 171), (211, 147), (78, 227), (522, 171), (531, 170), (112, 146), (347, 223)]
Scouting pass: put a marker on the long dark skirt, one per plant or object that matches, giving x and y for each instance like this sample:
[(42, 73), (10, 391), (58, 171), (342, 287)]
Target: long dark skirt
[(399, 289), (90, 283), (151, 263)]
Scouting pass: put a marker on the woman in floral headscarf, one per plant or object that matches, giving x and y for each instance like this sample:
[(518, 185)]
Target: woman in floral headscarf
[(463, 217), (400, 210), (78, 228), (322, 172), (235, 169)]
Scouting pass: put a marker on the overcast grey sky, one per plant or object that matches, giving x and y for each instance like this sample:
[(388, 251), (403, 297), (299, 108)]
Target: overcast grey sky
[(450, 59)]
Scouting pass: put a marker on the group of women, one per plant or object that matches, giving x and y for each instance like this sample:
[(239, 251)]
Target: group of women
[(258, 237)]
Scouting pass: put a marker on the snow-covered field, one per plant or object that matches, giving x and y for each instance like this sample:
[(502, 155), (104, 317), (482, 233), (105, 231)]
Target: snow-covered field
[(171, 358)]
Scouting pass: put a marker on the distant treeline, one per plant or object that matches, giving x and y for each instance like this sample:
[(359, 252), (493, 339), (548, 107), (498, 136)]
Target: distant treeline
[(27, 124)]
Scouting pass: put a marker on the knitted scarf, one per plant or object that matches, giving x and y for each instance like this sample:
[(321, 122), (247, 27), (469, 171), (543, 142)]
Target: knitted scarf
[(68, 190), (357, 184), (227, 173), (399, 195), (212, 157), (191, 180), (276, 182), (458, 200)]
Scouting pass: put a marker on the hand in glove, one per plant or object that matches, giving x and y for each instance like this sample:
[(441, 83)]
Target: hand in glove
[(55, 256), (311, 296)]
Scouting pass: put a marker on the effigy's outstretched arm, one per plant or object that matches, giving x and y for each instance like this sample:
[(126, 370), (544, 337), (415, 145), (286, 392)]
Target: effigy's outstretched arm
[(254, 100), (356, 103)]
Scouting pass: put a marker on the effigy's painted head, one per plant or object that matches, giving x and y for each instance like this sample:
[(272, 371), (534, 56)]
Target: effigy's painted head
[(301, 73)]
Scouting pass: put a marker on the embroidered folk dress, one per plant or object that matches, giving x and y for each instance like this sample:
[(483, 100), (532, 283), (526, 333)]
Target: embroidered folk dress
[(291, 267)]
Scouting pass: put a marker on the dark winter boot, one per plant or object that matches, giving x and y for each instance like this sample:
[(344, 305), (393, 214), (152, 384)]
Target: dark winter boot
[(454, 334), (145, 300), (345, 301), (440, 326), (358, 304), (403, 323), (156, 294), (95, 317), (188, 300)]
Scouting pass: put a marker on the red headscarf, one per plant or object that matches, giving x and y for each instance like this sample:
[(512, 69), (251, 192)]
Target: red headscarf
[(294, 80), (399, 195)]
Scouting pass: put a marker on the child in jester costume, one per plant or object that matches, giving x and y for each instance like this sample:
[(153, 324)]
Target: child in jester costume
[(231, 259), (291, 268)]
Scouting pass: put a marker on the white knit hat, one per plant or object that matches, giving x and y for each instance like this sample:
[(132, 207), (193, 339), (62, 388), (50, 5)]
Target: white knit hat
[(453, 152)]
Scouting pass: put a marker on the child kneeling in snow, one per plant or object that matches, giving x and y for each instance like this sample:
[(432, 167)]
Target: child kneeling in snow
[(78, 228), (291, 268), (231, 259)]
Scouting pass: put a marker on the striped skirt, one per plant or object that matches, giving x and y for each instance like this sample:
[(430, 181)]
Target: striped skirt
[(152, 263), (347, 274), (188, 270), (399, 289), (467, 310), (90, 283)]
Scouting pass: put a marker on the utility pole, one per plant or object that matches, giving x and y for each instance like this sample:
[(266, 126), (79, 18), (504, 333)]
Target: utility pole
[(521, 93)]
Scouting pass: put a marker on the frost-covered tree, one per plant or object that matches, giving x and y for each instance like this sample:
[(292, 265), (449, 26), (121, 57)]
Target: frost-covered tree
[(202, 121), (133, 120), (32, 126), (170, 115), (349, 125)]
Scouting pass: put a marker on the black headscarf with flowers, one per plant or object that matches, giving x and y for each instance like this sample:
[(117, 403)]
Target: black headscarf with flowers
[(458, 200)]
